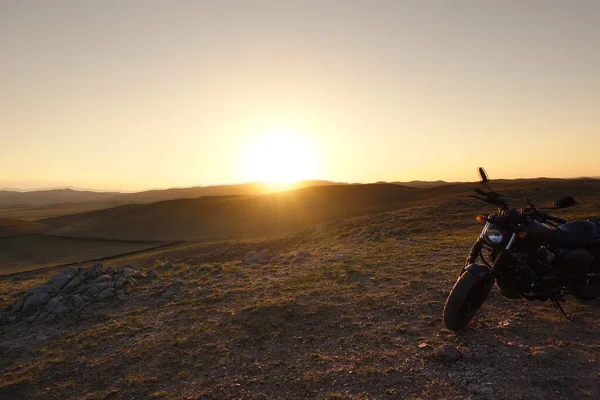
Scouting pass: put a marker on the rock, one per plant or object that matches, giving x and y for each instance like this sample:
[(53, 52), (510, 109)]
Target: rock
[(446, 353), (17, 305), (54, 303), (127, 272), (50, 318), (119, 283), (161, 302), (41, 317), (169, 293), (21, 325), (58, 281), (152, 274), (43, 288), (74, 283), (30, 319), (139, 275), (92, 291), (166, 266), (106, 294), (300, 256), (77, 301), (57, 306), (121, 295), (252, 257), (96, 270), (101, 279), (34, 302)]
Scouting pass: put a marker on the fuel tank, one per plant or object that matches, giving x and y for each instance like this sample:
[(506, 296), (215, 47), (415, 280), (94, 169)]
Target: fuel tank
[(537, 234), (576, 234)]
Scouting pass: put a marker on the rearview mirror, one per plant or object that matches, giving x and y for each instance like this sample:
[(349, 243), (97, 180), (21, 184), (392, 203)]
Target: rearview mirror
[(564, 202), (483, 175)]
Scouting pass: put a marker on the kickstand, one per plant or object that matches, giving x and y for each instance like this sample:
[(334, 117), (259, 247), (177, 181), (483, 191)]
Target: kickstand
[(557, 305)]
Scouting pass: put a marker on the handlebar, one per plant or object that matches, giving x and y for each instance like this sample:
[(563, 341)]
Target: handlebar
[(554, 219)]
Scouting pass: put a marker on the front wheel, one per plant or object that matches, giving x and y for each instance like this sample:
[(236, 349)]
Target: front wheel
[(465, 298)]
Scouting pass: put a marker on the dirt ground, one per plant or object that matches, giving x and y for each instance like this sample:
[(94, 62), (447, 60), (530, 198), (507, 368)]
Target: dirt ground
[(345, 310)]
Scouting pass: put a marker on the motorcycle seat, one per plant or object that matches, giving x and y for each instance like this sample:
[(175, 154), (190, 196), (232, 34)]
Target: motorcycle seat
[(576, 234)]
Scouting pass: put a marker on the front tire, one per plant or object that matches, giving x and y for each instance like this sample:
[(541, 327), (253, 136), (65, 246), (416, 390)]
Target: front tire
[(465, 298)]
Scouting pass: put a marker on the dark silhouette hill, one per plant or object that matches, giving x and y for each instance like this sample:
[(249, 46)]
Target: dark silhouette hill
[(230, 217)]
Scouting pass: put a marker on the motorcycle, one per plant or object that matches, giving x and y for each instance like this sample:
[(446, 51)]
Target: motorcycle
[(528, 254)]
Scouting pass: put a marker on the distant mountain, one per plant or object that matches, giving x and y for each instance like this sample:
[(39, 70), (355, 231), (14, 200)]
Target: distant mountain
[(52, 196), (72, 196), (423, 184)]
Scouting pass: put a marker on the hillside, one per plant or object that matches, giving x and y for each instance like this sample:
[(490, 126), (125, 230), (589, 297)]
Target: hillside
[(233, 217), (349, 309), (17, 227)]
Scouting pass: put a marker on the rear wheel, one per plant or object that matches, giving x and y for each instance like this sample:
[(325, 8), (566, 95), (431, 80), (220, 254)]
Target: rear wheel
[(467, 295)]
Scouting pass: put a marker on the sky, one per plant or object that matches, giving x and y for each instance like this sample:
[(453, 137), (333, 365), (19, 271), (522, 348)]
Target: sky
[(131, 95)]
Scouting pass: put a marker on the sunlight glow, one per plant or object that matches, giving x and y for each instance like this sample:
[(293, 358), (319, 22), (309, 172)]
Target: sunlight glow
[(279, 158)]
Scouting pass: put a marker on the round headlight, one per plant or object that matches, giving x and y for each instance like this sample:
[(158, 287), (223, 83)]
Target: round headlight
[(494, 235)]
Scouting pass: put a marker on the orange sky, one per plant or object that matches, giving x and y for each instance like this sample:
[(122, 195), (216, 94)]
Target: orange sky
[(144, 94)]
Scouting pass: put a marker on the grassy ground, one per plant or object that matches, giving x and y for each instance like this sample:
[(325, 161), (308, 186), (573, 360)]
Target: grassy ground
[(346, 310)]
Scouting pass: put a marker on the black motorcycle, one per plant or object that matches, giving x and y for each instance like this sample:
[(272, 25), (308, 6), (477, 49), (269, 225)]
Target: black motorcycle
[(527, 253)]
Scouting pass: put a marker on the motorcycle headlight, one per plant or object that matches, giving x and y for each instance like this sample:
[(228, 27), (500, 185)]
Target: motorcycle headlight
[(494, 235)]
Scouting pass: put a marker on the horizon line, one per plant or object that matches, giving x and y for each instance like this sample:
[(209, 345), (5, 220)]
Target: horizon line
[(121, 191)]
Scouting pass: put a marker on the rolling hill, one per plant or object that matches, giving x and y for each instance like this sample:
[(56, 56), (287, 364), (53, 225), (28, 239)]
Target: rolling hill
[(233, 216)]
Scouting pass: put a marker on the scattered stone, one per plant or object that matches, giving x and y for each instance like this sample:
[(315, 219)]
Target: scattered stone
[(252, 257), (300, 256), (77, 301), (173, 290), (161, 302), (127, 272), (152, 274), (447, 353), (71, 289), (96, 270), (75, 283), (167, 265), (107, 293), (101, 279), (34, 302), (119, 283)]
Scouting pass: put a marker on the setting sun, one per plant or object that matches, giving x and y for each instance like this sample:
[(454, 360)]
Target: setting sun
[(279, 158)]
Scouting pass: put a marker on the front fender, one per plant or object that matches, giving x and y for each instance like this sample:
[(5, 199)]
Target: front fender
[(478, 270)]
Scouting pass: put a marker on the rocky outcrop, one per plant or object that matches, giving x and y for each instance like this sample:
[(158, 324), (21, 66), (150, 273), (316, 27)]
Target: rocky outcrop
[(72, 289)]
